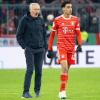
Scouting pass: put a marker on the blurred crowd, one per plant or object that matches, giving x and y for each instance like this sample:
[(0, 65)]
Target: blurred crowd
[(47, 1), (88, 12)]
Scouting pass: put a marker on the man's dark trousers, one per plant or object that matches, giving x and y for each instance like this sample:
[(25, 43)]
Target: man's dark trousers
[(34, 60)]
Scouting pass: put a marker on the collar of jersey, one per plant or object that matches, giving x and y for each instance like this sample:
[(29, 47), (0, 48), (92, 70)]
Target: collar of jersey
[(66, 18)]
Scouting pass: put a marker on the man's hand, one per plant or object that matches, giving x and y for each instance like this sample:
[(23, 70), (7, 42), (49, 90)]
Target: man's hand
[(50, 54), (78, 49)]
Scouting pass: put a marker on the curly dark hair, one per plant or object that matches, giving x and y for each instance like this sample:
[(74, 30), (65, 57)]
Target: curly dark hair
[(66, 2)]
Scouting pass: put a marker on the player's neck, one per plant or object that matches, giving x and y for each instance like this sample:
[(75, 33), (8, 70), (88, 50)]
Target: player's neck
[(66, 16)]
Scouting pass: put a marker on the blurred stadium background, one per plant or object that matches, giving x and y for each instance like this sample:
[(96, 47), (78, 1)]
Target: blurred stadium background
[(11, 11), (12, 56)]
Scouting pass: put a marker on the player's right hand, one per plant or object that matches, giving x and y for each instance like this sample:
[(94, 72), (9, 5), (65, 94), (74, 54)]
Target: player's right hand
[(50, 54)]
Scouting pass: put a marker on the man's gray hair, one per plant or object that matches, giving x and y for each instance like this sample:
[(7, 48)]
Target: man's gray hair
[(33, 4)]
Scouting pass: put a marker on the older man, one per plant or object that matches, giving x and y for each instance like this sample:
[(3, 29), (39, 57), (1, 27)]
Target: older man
[(31, 36)]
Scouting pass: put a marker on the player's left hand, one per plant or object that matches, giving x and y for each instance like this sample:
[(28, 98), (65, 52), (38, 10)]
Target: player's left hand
[(79, 48)]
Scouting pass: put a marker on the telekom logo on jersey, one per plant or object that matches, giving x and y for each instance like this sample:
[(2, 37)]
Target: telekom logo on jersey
[(65, 30)]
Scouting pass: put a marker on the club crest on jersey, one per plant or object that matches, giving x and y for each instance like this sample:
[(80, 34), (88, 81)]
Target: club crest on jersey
[(72, 23), (62, 24)]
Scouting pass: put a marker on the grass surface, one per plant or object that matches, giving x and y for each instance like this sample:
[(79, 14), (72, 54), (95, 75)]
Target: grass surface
[(83, 84)]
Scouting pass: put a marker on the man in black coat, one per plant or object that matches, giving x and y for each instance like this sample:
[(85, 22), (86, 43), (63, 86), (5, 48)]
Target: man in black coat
[(31, 36)]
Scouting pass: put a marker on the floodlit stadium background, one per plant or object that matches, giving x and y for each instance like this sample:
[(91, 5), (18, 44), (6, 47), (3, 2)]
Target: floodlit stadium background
[(11, 11)]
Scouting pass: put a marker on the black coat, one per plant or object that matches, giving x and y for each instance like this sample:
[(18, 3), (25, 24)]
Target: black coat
[(31, 32)]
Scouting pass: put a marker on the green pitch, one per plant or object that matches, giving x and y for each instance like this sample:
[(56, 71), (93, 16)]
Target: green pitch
[(83, 84)]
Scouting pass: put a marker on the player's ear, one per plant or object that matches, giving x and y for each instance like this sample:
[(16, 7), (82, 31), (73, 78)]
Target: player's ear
[(63, 9)]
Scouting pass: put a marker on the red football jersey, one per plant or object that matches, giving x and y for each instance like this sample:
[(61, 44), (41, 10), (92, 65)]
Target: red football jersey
[(65, 29)]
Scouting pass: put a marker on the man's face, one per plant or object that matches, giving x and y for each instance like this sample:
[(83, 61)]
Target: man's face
[(68, 9), (34, 10)]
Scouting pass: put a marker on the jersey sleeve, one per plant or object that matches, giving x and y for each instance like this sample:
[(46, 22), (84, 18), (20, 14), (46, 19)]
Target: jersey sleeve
[(52, 34), (54, 25), (78, 33)]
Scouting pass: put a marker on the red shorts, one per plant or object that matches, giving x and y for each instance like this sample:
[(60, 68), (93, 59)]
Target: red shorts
[(63, 55)]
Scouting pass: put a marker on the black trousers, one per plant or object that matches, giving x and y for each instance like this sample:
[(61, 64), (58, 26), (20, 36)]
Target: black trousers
[(34, 61)]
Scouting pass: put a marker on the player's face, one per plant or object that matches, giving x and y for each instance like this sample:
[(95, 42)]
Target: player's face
[(68, 9), (35, 10)]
